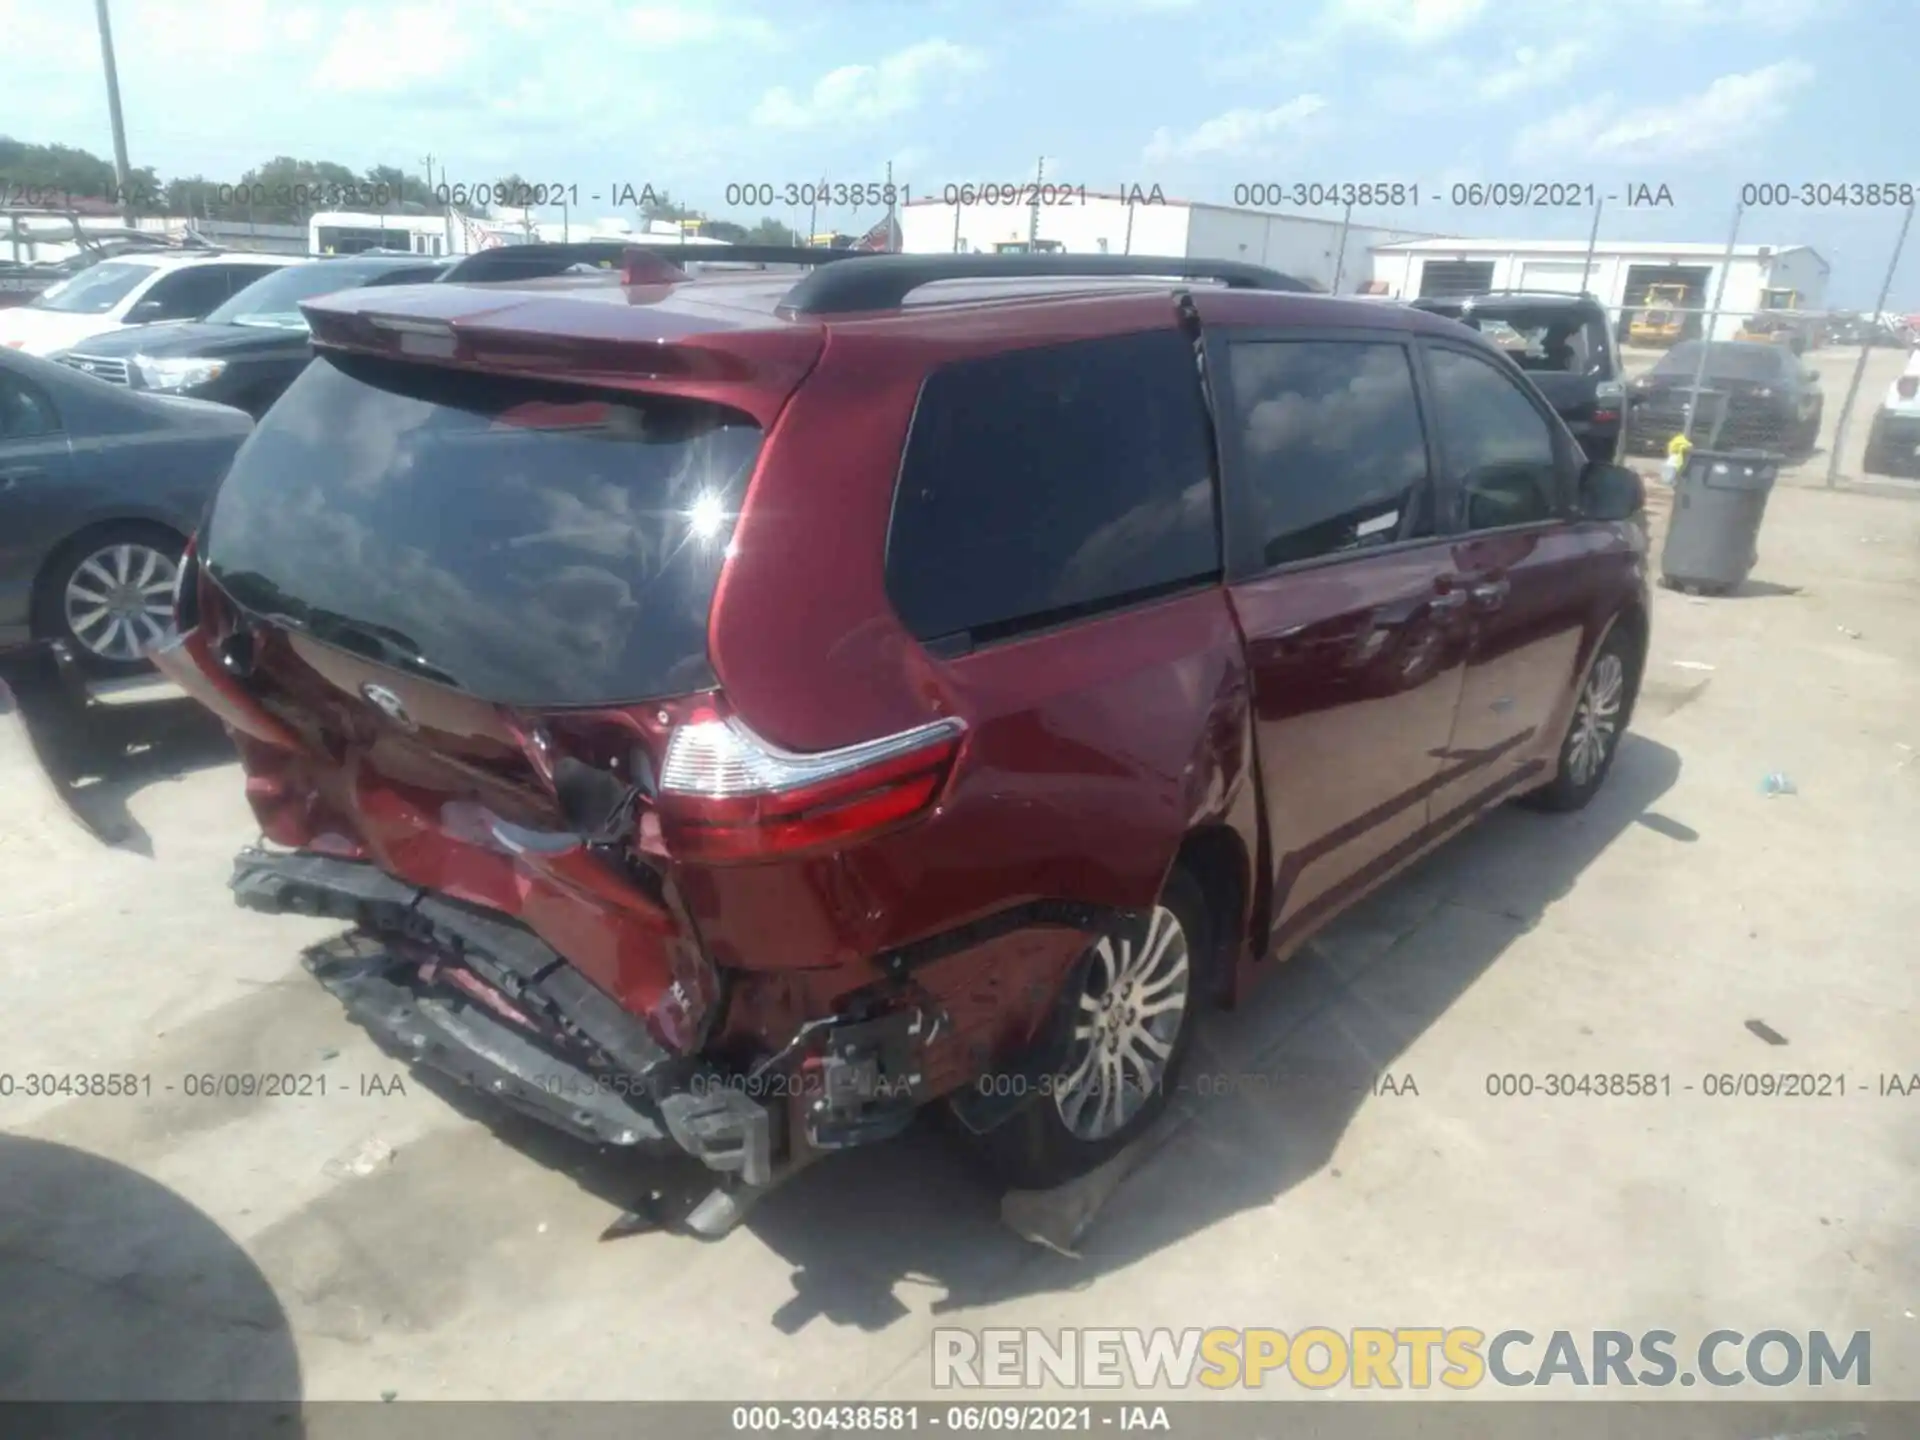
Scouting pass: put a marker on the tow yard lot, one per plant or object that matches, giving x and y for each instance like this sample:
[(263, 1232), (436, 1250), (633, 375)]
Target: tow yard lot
[(1337, 1158)]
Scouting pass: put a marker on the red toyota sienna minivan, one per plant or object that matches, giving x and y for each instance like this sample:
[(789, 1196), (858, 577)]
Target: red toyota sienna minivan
[(734, 710)]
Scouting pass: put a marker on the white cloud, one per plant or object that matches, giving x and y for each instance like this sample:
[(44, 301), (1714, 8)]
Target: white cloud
[(1532, 69), (394, 49), (863, 94), (1150, 7), (695, 24), (1732, 111), (1410, 22), (1564, 135), (1243, 132), (1778, 16)]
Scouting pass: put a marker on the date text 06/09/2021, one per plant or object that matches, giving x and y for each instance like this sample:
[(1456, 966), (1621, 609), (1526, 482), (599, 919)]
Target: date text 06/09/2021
[(1463, 194)]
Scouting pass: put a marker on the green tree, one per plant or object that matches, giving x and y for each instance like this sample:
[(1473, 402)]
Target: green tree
[(511, 192), (65, 170), (285, 191), (724, 230), (404, 191), (770, 232), (664, 207)]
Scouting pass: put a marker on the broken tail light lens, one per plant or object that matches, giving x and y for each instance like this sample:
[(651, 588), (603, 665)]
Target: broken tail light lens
[(726, 794), (1908, 386)]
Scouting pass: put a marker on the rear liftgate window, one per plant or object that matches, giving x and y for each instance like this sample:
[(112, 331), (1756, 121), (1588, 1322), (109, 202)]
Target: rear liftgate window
[(532, 544), (1047, 484)]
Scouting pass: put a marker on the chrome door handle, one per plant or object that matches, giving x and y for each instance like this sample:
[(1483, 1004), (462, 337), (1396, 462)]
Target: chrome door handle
[(1490, 593), (1449, 600)]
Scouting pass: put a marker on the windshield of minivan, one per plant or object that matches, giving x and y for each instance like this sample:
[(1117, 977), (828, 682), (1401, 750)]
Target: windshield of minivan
[(530, 543), (95, 290), (274, 301), (1727, 359)]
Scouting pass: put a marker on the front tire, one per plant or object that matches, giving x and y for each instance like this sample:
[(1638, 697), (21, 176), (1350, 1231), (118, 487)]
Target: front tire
[(1600, 717), (108, 594), (1127, 1018)]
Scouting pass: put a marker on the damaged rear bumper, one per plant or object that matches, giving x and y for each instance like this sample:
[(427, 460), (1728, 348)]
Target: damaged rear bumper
[(486, 1003)]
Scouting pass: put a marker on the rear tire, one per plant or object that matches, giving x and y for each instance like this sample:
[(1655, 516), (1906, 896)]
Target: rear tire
[(108, 595), (1600, 716), (1117, 989)]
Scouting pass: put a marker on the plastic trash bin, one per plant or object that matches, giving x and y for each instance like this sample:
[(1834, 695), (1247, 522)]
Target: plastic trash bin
[(1714, 530)]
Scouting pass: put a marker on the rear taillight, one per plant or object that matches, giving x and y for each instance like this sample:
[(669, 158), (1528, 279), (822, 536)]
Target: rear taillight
[(726, 794), (1907, 386)]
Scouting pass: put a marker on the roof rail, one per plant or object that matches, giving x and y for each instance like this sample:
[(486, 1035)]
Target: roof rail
[(882, 282), (748, 254)]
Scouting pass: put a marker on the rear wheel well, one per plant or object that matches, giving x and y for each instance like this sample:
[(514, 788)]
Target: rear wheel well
[(69, 549), (1632, 624), (1216, 858)]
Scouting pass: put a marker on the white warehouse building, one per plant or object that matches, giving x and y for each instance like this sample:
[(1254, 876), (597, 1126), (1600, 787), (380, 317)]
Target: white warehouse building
[(1618, 276), (1085, 222)]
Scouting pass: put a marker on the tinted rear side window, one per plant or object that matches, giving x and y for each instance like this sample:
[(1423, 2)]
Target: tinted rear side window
[(1331, 442), (538, 545), (1050, 483)]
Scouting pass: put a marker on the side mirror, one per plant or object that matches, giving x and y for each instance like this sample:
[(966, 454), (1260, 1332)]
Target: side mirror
[(145, 312), (1611, 492)]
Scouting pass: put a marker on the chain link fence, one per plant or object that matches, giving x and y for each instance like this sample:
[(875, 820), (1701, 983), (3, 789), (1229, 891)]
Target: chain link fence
[(1834, 395)]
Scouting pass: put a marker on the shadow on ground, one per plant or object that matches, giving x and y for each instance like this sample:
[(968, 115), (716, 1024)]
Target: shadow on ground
[(114, 1290), (98, 757), (1316, 1039)]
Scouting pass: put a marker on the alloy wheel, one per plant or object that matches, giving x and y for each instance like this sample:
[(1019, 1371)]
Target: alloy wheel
[(119, 600), (1126, 1022), (1596, 718)]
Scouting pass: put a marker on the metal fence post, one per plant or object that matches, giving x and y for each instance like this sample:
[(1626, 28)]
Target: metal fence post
[(1706, 330), (1866, 349), (1593, 239)]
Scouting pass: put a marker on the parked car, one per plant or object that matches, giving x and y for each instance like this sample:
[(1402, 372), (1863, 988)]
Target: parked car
[(1880, 331), (1761, 397), (248, 350), (1565, 344), (135, 289), (838, 695), (99, 488), (1893, 439)]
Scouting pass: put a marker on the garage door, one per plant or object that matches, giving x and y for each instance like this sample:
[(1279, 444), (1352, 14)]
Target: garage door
[(1560, 276), (1441, 278)]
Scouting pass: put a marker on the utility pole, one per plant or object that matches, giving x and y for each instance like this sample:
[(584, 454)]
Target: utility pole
[(889, 207), (1860, 365), (1340, 259), (121, 170), (1711, 319), (1033, 219), (1593, 239)]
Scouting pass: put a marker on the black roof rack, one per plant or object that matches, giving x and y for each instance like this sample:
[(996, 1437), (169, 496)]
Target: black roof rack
[(882, 282), (748, 254)]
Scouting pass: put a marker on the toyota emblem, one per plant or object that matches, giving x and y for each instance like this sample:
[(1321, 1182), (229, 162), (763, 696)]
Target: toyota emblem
[(388, 704)]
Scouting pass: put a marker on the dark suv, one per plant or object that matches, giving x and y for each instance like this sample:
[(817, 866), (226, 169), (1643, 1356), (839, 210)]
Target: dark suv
[(736, 711), (1565, 345), (248, 350)]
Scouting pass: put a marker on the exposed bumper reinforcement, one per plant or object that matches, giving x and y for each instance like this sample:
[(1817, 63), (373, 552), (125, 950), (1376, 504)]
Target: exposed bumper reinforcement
[(580, 1063)]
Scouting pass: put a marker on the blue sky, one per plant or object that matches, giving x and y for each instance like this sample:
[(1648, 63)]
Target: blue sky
[(1194, 95)]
